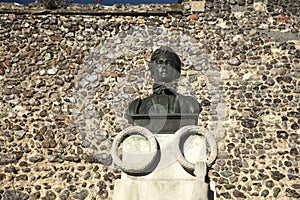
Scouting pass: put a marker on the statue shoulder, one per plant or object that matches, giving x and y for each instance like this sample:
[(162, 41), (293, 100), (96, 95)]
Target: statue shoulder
[(132, 109), (134, 106), (191, 103)]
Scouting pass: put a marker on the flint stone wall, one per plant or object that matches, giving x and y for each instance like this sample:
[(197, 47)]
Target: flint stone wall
[(67, 75)]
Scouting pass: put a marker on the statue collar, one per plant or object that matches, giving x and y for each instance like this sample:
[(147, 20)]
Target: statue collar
[(165, 88)]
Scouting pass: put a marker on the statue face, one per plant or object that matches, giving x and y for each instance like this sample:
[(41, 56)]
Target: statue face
[(163, 69)]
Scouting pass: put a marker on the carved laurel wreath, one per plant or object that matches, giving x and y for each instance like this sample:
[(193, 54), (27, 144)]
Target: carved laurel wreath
[(129, 167), (182, 133)]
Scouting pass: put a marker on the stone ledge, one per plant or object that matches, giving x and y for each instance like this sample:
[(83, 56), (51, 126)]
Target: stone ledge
[(93, 9)]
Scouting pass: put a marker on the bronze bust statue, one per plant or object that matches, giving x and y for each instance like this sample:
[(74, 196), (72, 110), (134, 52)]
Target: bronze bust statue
[(165, 68)]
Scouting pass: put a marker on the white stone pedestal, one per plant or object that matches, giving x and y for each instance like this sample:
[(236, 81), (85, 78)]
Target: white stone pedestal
[(168, 180)]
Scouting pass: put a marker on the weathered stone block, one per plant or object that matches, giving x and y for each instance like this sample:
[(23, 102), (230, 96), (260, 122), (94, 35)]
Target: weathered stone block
[(197, 6)]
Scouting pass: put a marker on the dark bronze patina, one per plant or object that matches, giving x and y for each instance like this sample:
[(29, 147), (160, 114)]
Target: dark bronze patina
[(165, 111)]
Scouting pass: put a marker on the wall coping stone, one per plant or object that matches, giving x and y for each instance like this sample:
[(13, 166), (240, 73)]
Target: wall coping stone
[(93, 9)]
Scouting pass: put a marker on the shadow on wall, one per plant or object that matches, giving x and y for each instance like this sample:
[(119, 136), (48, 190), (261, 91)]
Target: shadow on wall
[(104, 2)]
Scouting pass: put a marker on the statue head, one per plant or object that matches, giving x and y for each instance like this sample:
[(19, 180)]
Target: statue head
[(165, 65)]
